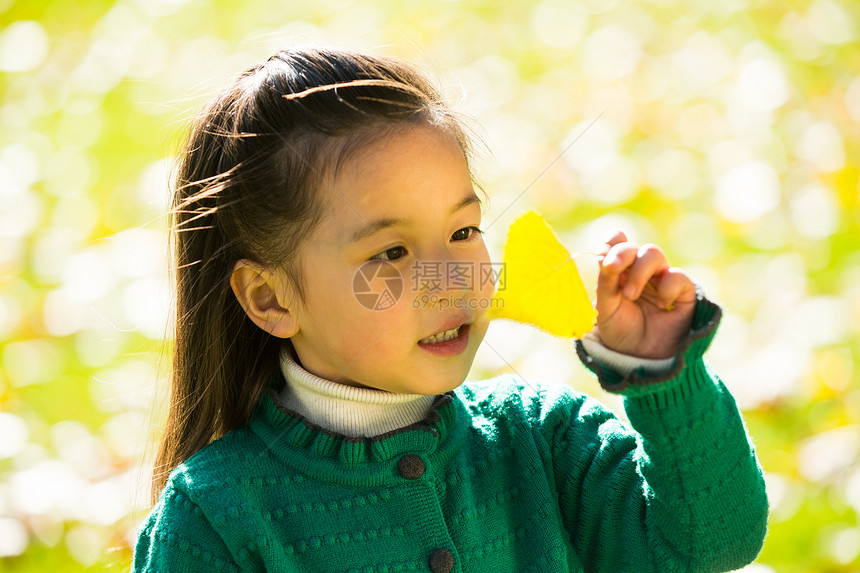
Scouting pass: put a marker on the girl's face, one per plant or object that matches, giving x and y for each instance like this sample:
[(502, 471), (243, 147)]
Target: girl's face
[(402, 211)]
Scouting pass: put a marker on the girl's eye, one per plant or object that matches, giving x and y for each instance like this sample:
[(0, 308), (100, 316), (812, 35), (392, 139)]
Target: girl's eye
[(395, 253), (391, 254), (466, 233)]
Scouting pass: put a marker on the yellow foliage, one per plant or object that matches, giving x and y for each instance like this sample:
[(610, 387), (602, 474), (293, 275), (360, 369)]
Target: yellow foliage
[(542, 286)]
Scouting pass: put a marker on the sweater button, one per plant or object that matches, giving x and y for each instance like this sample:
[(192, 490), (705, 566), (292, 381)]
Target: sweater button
[(411, 466), (441, 561)]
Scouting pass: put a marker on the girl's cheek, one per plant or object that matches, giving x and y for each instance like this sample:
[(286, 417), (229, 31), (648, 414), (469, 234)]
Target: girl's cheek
[(375, 344), (488, 277), (376, 323), (489, 291), (364, 342), (486, 296)]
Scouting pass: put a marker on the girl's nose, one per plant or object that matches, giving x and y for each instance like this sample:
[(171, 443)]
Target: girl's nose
[(443, 275), (445, 280)]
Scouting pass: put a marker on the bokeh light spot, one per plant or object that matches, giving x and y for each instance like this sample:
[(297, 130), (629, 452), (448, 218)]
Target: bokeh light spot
[(821, 144), (32, 361), (747, 192), (15, 434), (761, 83), (815, 212), (559, 23), (830, 23), (828, 453), (13, 537), (23, 46), (611, 52), (844, 545)]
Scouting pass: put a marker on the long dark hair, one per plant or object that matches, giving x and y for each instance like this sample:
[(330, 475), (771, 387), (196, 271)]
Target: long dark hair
[(247, 188)]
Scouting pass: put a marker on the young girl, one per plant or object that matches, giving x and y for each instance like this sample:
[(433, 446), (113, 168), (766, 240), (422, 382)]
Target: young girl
[(311, 431)]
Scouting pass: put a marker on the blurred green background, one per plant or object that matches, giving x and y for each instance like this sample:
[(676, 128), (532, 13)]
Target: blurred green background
[(727, 132)]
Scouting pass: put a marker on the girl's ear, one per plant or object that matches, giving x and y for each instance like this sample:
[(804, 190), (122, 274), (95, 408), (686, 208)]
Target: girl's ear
[(264, 295)]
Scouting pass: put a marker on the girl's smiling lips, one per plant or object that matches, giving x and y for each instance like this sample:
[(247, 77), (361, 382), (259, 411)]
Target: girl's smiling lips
[(450, 347), (454, 346), (451, 324)]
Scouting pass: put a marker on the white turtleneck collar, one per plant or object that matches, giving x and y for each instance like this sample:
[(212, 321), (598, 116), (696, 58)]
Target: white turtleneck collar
[(347, 410)]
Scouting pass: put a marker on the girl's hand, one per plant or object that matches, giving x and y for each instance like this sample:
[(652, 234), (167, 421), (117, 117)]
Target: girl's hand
[(644, 307)]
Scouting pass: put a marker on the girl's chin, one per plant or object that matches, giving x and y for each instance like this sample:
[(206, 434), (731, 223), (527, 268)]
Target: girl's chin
[(441, 386), (421, 387)]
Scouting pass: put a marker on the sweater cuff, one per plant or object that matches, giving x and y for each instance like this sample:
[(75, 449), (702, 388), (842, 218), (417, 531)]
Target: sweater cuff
[(643, 380), (624, 364)]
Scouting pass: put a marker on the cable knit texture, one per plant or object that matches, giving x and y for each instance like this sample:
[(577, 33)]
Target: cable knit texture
[(500, 476)]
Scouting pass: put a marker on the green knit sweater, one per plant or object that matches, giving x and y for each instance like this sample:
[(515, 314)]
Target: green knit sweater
[(503, 476)]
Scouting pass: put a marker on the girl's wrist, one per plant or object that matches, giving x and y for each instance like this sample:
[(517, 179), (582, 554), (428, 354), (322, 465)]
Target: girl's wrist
[(622, 363)]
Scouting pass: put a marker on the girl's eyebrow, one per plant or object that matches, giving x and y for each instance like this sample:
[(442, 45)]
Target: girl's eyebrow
[(380, 224)]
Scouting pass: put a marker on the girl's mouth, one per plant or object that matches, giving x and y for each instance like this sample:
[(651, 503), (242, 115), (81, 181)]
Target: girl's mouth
[(442, 336), (447, 343)]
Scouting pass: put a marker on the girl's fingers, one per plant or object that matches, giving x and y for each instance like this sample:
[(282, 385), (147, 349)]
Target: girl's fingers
[(643, 264), (627, 269), (674, 286), (617, 237), (617, 259)]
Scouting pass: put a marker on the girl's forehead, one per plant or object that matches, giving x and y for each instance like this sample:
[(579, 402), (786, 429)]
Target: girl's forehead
[(396, 163), (381, 144)]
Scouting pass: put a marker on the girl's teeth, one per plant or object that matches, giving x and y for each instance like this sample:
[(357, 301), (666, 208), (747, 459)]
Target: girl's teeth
[(442, 336)]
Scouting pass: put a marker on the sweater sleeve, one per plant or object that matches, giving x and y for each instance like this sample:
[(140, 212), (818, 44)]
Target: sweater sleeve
[(177, 537), (682, 490)]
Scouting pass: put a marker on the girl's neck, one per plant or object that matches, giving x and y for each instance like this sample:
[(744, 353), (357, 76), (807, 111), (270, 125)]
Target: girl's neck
[(347, 410)]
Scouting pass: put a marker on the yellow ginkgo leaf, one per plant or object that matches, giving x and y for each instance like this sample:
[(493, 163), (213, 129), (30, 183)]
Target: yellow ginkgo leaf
[(542, 286)]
